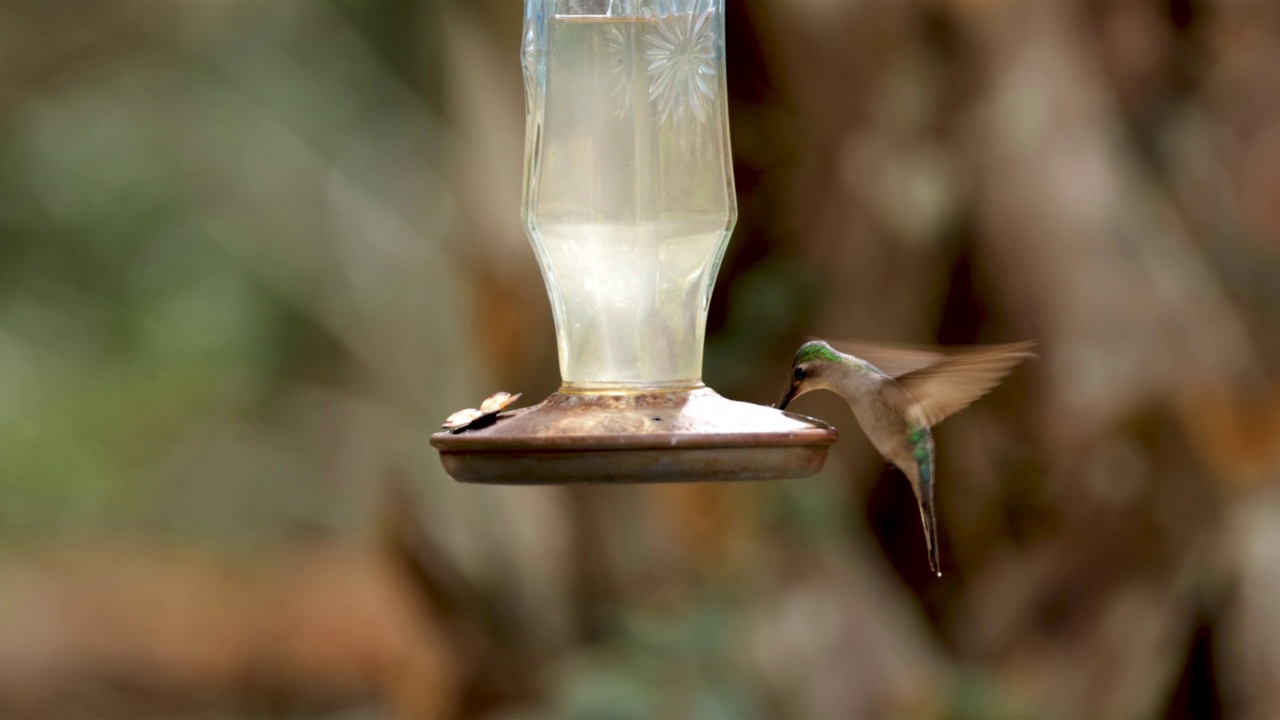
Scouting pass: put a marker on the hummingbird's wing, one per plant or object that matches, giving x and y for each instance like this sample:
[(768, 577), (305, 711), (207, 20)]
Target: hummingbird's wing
[(949, 385), (892, 360)]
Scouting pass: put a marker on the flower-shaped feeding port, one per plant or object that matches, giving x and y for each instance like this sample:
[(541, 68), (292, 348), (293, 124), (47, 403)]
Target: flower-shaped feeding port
[(629, 203), (486, 415)]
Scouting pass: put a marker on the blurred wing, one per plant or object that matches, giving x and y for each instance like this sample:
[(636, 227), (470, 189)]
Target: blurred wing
[(893, 360), (948, 386)]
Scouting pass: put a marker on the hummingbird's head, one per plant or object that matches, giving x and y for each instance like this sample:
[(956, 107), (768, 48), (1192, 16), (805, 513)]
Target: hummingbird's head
[(810, 370)]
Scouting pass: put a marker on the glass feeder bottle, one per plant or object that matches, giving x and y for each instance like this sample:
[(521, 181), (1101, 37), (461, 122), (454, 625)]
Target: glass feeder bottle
[(628, 203), (628, 190)]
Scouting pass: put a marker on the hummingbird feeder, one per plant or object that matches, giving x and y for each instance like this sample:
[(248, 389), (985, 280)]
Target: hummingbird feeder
[(629, 203)]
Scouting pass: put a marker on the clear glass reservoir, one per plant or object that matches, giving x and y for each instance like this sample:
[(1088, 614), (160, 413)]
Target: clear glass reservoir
[(628, 193)]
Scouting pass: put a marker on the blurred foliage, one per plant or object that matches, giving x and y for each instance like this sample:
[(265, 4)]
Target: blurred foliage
[(251, 254)]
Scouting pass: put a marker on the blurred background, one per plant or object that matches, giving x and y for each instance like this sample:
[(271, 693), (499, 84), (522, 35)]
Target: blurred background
[(253, 253)]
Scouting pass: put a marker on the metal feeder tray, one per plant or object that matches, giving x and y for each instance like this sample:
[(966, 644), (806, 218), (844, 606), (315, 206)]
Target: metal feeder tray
[(678, 436)]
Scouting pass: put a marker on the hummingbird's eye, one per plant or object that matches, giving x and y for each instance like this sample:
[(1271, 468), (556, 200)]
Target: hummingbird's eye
[(800, 373)]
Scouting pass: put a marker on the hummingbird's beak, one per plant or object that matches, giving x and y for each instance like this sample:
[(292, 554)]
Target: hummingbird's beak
[(789, 395)]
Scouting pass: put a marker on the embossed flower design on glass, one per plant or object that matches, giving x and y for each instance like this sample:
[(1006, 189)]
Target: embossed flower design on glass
[(620, 59), (629, 197), (681, 59)]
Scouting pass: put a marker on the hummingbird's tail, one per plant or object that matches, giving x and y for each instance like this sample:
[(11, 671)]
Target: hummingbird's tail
[(930, 521), (922, 442)]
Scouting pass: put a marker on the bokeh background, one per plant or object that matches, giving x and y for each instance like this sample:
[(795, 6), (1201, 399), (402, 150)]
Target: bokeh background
[(252, 254)]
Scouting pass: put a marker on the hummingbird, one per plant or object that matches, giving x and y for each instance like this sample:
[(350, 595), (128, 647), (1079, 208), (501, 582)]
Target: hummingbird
[(901, 396)]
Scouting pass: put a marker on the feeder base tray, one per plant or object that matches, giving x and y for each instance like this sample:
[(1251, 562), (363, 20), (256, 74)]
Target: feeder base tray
[(679, 436)]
